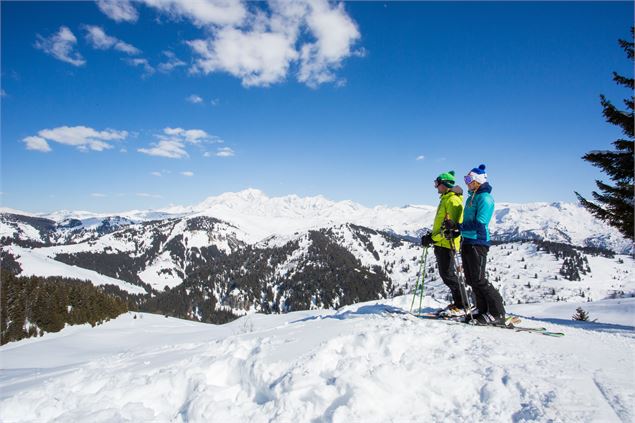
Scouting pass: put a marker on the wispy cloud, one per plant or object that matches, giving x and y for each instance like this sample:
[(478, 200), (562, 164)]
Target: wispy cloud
[(3, 93), (173, 142), (61, 45), (156, 174), (144, 64), (194, 99), (214, 102), (172, 62), (224, 152), (118, 10), (421, 157), (147, 195), (187, 173), (98, 195), (81, 137), (168, 149), (96, 36)]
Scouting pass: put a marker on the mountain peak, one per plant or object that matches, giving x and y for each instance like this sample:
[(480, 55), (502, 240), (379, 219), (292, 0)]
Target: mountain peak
[(251, 193)]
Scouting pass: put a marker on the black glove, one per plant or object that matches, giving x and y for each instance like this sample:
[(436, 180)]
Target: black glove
[(426, 240), (451, 233), (450, 224), (450, 229)]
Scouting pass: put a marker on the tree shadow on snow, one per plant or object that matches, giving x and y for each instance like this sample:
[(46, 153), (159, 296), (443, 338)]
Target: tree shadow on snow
[(595, 326)]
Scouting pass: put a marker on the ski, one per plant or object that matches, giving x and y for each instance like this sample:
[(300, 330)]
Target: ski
[(540, 330), (511, 324)]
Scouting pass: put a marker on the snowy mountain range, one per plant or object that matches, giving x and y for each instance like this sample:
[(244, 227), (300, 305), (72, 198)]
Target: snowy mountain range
[(259, 216), (242, 251)]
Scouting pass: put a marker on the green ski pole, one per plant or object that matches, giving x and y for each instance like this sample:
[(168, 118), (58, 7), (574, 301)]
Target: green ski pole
[(424, 255)]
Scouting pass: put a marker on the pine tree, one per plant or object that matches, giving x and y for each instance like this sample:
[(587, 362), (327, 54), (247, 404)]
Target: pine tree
[(580, 314), (614, 203)]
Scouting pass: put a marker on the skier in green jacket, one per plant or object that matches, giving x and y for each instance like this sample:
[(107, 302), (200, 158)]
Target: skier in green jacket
[(450, 207)]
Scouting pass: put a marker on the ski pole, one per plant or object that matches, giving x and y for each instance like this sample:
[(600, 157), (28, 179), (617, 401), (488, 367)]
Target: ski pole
[(462, 288), (423, 277), (424, 256)]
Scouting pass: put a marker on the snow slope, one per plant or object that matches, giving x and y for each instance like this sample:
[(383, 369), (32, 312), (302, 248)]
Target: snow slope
[(36, 262), (361, 363)]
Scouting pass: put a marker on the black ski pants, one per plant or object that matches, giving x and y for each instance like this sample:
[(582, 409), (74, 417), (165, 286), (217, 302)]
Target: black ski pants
[(448, 273), (488, 299)]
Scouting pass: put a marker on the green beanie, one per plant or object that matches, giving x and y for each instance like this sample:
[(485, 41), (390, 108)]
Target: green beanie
[(447, 179)]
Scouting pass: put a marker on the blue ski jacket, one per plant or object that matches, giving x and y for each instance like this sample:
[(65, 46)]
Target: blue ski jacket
[(478, 211)]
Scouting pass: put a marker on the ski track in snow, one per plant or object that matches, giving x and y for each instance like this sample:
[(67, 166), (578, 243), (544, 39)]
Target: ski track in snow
[(361, 363)]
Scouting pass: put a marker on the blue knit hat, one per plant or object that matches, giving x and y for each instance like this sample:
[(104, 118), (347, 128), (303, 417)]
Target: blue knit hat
[(478, 174)]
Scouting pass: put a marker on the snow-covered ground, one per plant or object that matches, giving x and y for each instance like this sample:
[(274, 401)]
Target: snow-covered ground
[(361, 363)]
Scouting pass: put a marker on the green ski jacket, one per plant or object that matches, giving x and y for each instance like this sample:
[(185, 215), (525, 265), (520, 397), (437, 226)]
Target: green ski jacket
[(451, 205)]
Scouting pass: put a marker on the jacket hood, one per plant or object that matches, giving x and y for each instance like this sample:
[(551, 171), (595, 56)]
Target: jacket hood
[(457, 190), (486, 187), (452, 191)]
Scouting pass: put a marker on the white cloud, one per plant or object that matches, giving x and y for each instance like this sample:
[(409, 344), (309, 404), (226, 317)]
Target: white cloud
[(169, 149), (143, 63), (146, 195), (203, 12), (118, 10), (262, 51), (258, 58), (173, 142), (214, 102), (187, 173), (194, 99), (98, 195), (101, 41), (3, 93), (81, 137), (156, 174), (224, 152), (61, 45), (171, 62), (421, 157), (335, 33), (36, 144)]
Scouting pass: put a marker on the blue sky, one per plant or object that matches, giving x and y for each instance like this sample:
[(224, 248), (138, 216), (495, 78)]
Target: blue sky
[(137, 106)]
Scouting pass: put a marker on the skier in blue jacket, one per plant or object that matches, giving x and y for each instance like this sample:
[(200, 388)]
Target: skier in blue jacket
[(478, 211)]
